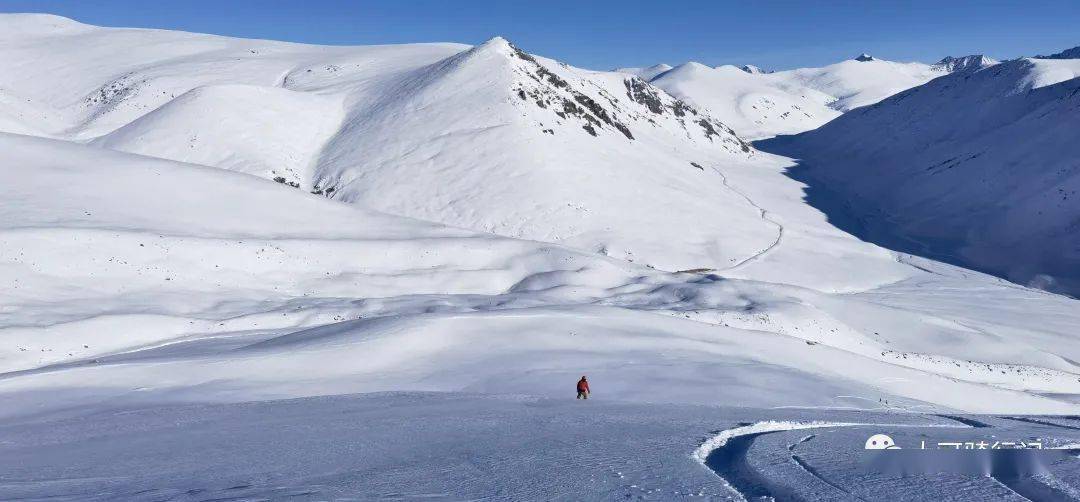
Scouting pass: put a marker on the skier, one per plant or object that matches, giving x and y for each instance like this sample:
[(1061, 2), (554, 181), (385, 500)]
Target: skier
[(583, 388)]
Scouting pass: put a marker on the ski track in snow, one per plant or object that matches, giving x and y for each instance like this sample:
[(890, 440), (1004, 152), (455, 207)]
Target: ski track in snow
[(742, 437), (1042, 422), (964, 420), (722, 439), (809, 469), (806, 467), (763, 214), (792, 446)]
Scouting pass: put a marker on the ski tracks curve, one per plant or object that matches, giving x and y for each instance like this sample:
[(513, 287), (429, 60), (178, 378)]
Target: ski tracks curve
[(742, 436), (708, 449)]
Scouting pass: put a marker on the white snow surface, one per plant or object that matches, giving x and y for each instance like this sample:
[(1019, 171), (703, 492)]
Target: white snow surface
[(461, 446), (256, 290)]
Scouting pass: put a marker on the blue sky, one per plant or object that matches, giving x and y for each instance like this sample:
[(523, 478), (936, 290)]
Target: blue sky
[(605, 34)]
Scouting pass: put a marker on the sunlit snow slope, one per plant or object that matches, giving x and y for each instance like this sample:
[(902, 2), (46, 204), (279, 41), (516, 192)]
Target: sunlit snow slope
[(124, 273), (866, 80), (758, 104), (488, 138)]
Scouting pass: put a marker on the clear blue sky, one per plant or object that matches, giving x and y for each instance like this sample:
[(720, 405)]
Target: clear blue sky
[(604, 34)]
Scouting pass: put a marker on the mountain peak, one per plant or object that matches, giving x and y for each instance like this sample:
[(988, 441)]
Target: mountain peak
[(34, 18), (692, 66), (496, 43), (493, 49), (27, 23), (648, 73), (963, 63), (865, 57), (749, 68)]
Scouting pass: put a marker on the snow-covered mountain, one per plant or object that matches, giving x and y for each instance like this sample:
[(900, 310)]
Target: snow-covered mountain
[(412, 130), (755, 105), (646, 73), (951, 64), (496, 140), (863, 80), (758, 104), (979, 167), (749, 68)]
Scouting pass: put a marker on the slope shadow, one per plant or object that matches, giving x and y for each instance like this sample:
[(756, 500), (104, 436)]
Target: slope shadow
[(843, 211)]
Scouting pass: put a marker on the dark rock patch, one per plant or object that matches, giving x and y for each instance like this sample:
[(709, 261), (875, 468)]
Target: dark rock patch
[(640, 92)]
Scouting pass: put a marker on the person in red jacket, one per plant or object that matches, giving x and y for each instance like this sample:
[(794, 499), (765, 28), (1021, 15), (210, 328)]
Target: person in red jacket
[(583, 388)]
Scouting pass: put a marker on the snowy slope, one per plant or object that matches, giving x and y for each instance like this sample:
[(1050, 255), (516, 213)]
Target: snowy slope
[(759, 104), (978, 167), (151, 249), (862, 81), (124, 272), (755, 105), (646, 73), (488, 138), (85, 81), (563, 153), (268, 132)]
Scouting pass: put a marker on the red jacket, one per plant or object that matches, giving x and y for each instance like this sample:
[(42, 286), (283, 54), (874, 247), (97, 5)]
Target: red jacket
[(583, 385)]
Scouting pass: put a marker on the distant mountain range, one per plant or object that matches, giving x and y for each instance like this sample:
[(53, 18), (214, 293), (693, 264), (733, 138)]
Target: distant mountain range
[(761, 104)]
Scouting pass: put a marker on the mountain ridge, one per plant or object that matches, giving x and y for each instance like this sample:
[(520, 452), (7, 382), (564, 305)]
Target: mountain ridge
[(975, 166)]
